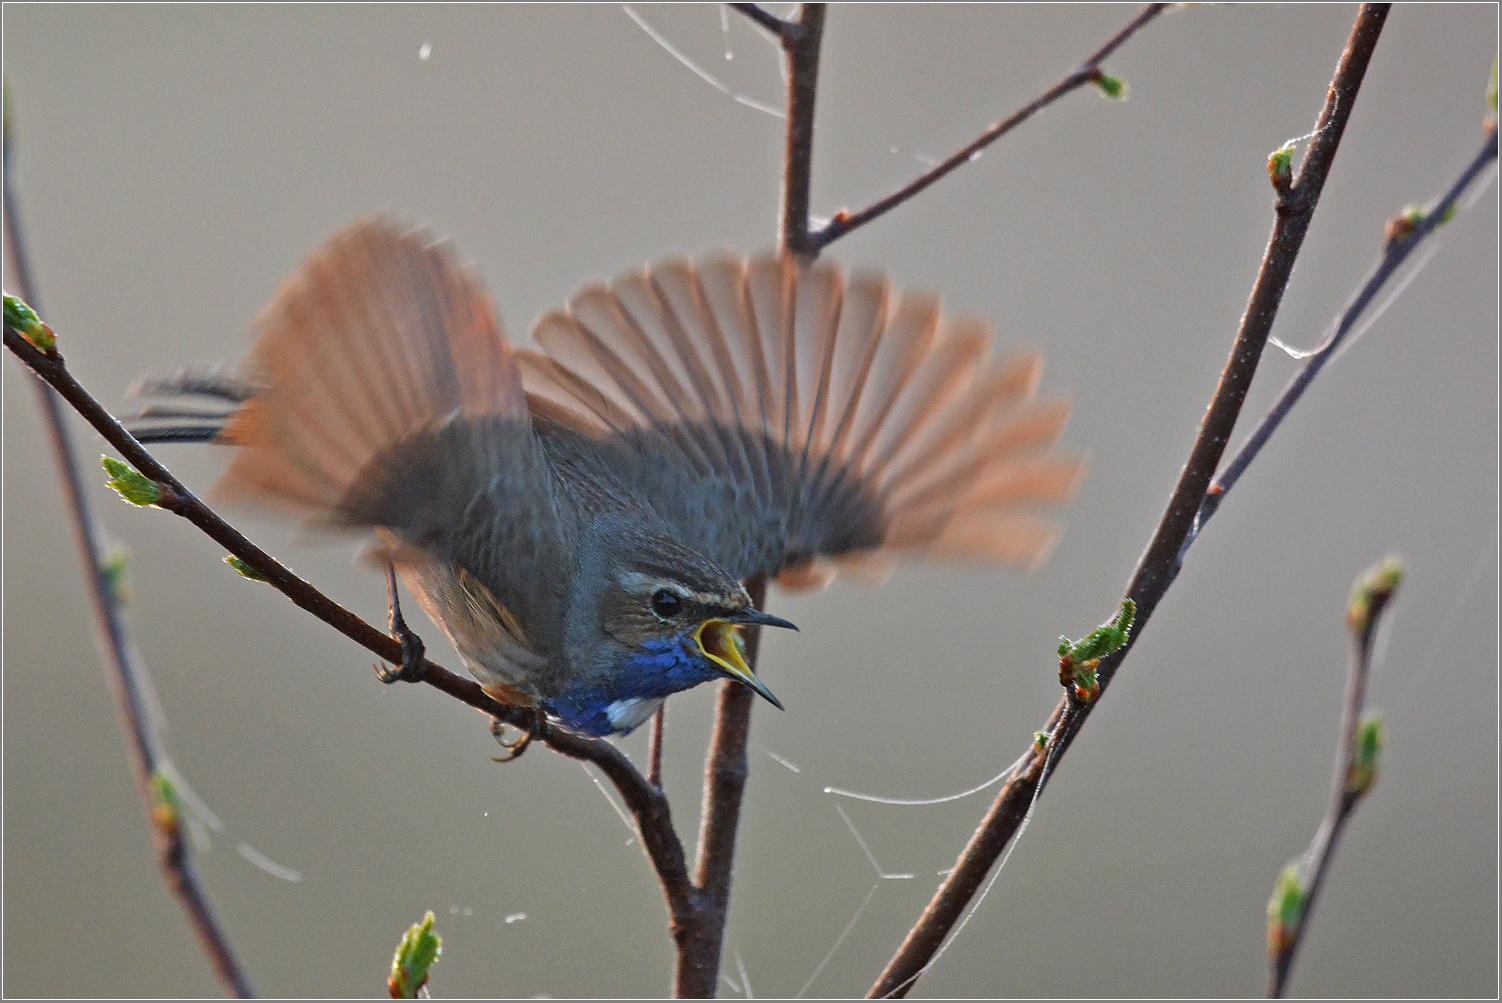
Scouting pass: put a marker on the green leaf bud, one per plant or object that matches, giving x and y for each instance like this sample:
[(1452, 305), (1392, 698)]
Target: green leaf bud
[(245, 570), (415, 954), (132, 485), (24, 320), (1366, 754), (1285, 910), (1280, 165), (166, 804), (113, 568), (1372, 591), (1114, 88)]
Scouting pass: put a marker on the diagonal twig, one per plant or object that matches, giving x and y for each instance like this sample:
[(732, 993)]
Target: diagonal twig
[(766, 19), (1087, 72), (1159, 564), (1399, 248), (1355, 771), (647, 804), (121, 658)]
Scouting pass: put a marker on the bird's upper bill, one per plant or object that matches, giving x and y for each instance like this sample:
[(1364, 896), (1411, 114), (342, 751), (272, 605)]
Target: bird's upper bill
[(721, 642)]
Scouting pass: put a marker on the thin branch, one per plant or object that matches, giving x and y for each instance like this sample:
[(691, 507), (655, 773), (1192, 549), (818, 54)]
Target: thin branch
[(1396, 252), (1355, 772), (1159, 564), (654, 747), (1087, 72), (766, 19), (700, 943), (178, 499), (725, 772), (802, 41), (120, 656), (646, 802)]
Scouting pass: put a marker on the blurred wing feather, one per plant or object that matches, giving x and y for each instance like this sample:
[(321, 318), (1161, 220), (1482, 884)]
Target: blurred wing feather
[(379, 337), (791, 422)]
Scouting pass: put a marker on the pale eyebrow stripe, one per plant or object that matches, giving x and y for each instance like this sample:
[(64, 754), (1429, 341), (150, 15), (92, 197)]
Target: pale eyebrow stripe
[(639, 584)]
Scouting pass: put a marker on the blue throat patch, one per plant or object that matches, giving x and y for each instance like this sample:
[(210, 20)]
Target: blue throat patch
[(658, 669)]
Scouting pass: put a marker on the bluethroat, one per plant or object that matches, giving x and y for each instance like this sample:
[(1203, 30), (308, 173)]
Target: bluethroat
[(578, 517)]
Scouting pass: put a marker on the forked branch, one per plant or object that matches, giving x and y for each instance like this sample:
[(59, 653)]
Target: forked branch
[(766, 19), (1159, 565), (701, 943), (1406, 234), (698, 906), (800, 40), (647, 804)]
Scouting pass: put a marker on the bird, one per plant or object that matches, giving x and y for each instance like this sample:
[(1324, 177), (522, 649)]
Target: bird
[(580, 515)]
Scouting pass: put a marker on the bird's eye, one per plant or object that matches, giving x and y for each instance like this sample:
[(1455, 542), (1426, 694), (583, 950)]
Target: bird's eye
[(666, 603)]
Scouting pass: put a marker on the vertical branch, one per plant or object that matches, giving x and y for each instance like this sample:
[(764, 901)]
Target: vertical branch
[(725, 773), (801, 40), (118, 652), (726, 767), (654, 747), (1160, 563)]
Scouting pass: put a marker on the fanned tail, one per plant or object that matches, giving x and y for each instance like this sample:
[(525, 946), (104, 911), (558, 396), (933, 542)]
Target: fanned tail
[(826, 423)]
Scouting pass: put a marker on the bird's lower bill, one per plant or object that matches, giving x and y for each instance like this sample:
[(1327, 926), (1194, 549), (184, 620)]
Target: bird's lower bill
[(721, 642)]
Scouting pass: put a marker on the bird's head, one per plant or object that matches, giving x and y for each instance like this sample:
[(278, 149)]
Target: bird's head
[(648, 617)]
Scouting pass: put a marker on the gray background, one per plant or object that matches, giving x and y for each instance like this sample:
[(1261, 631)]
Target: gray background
[(176, 162)]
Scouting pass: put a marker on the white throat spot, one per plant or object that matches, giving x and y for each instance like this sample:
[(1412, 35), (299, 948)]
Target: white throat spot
[(627, 714)]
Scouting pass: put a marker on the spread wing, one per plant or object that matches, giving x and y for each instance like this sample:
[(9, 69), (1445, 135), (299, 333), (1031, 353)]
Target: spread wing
[(381, 393), (790, 421)]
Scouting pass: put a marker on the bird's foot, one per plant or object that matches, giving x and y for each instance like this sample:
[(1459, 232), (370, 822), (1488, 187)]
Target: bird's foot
[(413, 668), (515, 746)]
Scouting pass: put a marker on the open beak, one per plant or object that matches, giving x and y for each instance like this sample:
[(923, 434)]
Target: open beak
[(760, 619), (720, 640)]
